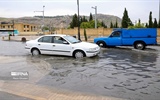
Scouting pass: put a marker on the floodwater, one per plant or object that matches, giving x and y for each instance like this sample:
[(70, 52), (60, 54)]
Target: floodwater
[(118, 72)]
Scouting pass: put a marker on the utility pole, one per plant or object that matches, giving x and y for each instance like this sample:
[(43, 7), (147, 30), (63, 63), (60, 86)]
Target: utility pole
[(43, 18), (95, 16), (79, 36)]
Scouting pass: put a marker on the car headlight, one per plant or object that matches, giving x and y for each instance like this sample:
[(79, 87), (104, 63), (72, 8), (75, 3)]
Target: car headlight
[(92, 49)]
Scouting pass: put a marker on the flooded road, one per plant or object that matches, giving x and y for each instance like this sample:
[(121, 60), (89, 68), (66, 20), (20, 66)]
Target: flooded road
[(117, 72)]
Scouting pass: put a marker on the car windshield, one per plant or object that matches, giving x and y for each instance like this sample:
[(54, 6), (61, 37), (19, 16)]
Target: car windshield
[(71, 39)]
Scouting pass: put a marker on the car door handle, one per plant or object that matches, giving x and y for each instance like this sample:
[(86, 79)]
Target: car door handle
[(53, 45), (39, 44)]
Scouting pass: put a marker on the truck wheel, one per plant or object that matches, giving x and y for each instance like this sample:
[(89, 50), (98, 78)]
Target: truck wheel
[(101, 44), (139, 46)]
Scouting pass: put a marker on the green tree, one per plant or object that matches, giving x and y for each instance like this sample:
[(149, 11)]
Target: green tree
[(99, 24), (86, 25), (84, 19), (45, 28), (139, 22), (150, 20), (116, 24), (90, 24), (74, 22), (111, 25), (155, 24), (90, 17), (146, 25), (126, 20), (138, 25)]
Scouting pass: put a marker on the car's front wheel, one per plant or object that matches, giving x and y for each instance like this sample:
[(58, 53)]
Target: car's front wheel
[(79, 54), (35, 52)]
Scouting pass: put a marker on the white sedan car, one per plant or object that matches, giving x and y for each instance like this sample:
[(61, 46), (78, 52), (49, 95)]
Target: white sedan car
[(62, 45)]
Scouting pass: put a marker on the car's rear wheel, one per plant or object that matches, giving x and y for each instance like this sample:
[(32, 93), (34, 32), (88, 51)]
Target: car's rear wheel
[(79, 54), (101, 44), (35, 52)]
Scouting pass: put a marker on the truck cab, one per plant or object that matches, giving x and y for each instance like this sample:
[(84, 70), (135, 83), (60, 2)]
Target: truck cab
[(139, 38), (114, 39)]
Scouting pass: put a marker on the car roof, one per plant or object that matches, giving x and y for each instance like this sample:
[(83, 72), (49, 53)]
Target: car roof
[(55, 35)]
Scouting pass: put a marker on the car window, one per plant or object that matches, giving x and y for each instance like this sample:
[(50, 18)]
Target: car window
[(46, 39), (71, 39), (41, 39), (59, 40), (116, 34)]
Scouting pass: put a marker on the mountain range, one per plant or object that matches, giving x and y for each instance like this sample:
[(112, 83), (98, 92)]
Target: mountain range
[(60, 21)]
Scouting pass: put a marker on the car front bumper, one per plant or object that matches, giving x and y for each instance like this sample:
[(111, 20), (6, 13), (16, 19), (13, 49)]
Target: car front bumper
[(92, 53), (27, 49)]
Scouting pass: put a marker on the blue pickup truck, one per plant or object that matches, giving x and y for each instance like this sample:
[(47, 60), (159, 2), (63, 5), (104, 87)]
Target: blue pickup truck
[(139, 38)]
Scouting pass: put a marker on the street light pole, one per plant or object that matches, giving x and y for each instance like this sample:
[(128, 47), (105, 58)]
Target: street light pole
[(43, 16), (79, 36), (95, 16)]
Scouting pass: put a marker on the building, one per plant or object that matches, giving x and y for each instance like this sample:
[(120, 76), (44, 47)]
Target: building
[(21, 27)]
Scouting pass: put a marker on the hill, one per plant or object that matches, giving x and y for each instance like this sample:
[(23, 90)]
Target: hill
[(60, 21)]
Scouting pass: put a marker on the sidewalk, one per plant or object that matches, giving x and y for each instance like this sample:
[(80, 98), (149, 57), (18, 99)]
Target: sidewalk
[(19, 38), (37, 92)]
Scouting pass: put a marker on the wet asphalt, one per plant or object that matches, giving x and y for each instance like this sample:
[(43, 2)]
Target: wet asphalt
[(121, 72)]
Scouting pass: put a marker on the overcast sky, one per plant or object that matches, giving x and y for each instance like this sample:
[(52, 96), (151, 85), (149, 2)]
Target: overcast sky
[(136, 8)]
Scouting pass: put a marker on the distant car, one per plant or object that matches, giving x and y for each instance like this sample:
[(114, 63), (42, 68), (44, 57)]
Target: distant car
[(61, 45)]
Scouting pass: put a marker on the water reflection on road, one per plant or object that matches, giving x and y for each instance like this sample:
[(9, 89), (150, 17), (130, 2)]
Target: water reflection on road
[(123, 73)]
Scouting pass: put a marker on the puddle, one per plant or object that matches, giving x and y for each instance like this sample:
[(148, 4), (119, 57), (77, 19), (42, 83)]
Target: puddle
[(122, 73)]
